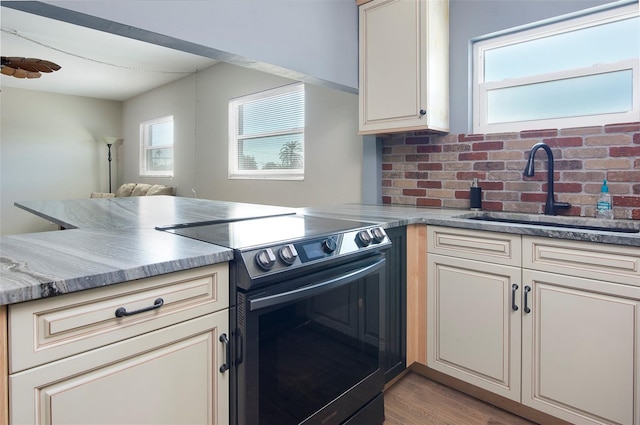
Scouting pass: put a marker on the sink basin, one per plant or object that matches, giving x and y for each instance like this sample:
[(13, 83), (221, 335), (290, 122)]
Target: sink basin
[(579, 223)]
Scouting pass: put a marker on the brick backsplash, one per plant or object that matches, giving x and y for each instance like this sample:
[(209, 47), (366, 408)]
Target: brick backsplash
[(436, 170)]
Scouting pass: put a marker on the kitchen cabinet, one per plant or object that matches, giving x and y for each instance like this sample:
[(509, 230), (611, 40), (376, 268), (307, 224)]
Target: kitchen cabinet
[(551, 324), (395, 304), (404, 66), (581, 338), (118, 355), (472, 332)]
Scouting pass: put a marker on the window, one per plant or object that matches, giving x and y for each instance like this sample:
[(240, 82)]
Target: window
[(156, 140), (579, 70), (266, 134)]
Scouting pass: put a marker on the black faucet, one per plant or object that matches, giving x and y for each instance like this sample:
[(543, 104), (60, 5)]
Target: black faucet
[(551, 205)]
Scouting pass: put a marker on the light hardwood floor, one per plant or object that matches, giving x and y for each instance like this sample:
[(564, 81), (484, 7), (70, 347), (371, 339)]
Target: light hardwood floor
[(416, 400)]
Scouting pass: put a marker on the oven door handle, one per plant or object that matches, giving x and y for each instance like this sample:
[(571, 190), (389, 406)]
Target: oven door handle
[(315, 289)]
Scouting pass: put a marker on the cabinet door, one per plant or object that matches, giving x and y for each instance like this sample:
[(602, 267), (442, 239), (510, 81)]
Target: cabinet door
[(473, 333), (397, 39), (581, 352), (169, 376), (395, 316)]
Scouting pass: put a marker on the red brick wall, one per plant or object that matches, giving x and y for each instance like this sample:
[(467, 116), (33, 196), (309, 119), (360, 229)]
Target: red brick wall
[(434, 170)]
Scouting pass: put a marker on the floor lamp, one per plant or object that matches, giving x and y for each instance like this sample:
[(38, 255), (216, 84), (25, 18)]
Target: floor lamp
[(109, 141)]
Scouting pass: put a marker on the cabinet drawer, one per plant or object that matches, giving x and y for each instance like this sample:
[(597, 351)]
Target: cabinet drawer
[(492, 247), (49, 329), (611, 263), (169, 376)]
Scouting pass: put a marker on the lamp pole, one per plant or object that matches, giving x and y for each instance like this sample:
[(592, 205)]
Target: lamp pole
[(109, 158), (110, 141)]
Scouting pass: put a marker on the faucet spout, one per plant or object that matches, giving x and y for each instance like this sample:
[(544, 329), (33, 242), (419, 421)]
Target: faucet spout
[(551, 205)]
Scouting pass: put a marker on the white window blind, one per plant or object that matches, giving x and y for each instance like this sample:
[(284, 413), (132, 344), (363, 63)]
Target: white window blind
[(266, 134)]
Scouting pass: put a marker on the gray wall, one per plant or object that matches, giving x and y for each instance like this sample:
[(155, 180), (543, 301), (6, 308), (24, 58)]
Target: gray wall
[(199, 104), (51, 149), (317, 39), (474, 18)]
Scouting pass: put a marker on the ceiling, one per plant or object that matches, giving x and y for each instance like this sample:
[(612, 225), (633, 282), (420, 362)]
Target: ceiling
[(94, 63)]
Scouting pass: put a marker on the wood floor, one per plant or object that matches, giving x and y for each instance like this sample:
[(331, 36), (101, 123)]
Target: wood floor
[(416, 400)]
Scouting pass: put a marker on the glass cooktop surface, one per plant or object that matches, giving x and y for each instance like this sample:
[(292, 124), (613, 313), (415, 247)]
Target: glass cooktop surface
[(263, 231)]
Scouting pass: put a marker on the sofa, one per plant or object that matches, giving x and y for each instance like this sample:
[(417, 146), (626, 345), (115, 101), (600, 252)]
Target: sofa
[(137, 189)]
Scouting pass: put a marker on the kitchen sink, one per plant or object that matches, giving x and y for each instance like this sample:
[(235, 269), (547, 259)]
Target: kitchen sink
[(580, 223)]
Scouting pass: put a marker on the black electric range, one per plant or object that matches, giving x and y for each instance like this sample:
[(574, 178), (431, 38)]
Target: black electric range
[(268, 248)]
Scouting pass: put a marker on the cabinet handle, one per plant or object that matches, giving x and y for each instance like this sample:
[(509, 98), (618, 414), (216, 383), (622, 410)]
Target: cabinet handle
[(225, 366), (527, 289), (122, 312), (514, 288), (423, 112)]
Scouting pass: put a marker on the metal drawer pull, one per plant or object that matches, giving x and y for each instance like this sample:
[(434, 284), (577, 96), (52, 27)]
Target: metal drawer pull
[(225, 366), (527, 289), (514, 288), (122, 312)]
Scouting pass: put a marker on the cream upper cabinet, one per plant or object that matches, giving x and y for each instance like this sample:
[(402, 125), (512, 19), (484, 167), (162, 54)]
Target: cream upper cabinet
[(404, 66), (146, 352)]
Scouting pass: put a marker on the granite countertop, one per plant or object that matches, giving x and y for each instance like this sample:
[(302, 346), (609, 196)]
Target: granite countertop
[(109, 241), (139, 212), (399, 215), (38, 265), (113, 240)]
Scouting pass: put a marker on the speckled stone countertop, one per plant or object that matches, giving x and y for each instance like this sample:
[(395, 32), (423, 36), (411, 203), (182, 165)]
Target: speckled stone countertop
[(398, 215), (38, 265), (113, 240), (110, 241), (140, 212)]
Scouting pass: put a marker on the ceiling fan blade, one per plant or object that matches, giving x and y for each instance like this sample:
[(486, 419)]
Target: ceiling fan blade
[(39, 65), (51, 65), (20, 73), (26, 67), (7, 70)]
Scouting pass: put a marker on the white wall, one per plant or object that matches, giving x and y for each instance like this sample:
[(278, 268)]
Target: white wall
[(316, 38), (333, 151), (48, 150)]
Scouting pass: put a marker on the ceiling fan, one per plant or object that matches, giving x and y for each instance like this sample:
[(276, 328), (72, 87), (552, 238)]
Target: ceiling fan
[(26, 67)]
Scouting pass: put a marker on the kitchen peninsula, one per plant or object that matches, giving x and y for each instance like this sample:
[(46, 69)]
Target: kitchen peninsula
[(111, 241)]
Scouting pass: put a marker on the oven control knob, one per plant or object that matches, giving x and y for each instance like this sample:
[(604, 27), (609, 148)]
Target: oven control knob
[(265, 259), (363, 238), (288, 254), (378, 234), (329, 245)]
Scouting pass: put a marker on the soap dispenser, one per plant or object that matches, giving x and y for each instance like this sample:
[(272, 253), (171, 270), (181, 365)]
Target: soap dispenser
[(475, 196), (604, 207)]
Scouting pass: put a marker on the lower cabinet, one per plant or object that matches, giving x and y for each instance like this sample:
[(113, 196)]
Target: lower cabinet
[(169, 376), (525, 327), (473, 334), (395, 315), (581, 349), (118, 355)]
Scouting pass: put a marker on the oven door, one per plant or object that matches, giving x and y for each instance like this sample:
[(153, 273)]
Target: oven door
[(310, 350)]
